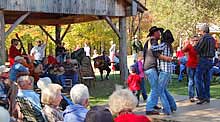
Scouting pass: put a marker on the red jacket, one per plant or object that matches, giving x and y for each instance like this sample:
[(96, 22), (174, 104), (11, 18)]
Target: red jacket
[(52, 60), (131, 118), (192, 56), (134, 82), (13, 52)]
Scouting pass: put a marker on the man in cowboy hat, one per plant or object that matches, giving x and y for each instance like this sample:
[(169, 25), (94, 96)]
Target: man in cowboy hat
[(150, 67)]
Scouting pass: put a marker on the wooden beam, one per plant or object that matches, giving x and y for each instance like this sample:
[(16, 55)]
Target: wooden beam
[(114, 28), (17, 22), (41, 27), (140, 16), (65, 32), (58, 32), (2, 38), (123, 49)]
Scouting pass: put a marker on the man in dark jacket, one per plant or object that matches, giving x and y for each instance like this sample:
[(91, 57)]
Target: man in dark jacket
[(206, 52)]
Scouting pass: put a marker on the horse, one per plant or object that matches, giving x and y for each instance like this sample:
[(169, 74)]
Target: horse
[(103, 63), (78, 55)]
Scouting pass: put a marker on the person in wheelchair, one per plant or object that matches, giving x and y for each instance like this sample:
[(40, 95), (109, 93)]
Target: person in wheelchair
[(71, 68)]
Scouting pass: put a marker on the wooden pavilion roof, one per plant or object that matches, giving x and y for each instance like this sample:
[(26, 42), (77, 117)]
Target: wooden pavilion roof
[(54, 12)]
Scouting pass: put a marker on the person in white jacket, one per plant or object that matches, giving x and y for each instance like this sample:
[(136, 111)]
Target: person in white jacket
[(38, 51)]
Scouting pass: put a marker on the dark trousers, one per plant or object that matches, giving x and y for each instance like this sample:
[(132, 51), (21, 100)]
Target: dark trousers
[(203, 78), (104, 68), (137, 94)]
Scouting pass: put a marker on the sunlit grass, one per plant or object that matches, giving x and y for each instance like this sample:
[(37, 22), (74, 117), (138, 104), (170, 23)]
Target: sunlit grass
[(103, 89)]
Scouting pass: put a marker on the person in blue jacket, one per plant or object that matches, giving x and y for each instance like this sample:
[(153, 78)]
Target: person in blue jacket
[(80, 97)]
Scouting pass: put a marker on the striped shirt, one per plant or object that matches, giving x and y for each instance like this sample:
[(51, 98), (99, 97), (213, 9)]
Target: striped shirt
[(161, 64), (206, 46)]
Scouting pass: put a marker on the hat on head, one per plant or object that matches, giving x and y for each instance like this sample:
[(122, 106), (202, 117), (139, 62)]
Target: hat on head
[(154, 29), (133, 68), (43, 82), (99, 114), (19, 58), (3, 69)]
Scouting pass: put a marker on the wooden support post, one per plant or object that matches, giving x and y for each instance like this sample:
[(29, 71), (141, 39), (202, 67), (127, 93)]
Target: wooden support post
[(58, 32), (2, 38), (41, 27), (17, 22), (123, 49), (65, 32), (114, 28)]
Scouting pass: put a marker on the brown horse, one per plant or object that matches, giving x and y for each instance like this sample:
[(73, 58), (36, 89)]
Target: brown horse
[(103, 63)]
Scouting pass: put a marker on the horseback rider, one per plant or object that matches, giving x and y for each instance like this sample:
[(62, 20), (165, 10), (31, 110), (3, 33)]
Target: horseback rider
[(102, 63)]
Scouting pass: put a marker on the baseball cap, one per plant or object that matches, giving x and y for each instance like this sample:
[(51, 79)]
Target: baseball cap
[(19, 58)]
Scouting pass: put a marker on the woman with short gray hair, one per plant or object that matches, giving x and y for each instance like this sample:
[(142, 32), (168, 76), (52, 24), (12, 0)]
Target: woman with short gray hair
[(51, 97), (122, 103), (80, 97)]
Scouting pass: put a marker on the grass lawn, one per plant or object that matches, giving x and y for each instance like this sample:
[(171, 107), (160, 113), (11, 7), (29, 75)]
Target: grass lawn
[(103, 89)]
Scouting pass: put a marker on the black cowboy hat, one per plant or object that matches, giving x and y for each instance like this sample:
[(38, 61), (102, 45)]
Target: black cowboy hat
[(154, 29)]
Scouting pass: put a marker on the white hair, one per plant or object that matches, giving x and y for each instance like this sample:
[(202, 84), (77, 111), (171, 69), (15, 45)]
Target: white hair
[(50, 93), (43, 82), (79, 93), (122, 100), (4, 115), (21, 80)]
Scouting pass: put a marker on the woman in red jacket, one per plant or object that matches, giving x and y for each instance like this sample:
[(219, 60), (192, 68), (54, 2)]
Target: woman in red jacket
[(13, 51), (122, 102)]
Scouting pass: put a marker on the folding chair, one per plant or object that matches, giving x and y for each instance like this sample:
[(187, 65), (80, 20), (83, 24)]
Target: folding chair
[(30, 112)]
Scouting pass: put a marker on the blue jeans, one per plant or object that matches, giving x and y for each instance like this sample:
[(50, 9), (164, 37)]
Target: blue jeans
[(166, 98), (214, 71), (182, 67), (143, 89), (134, 56), (60, 58), (203, 78), (191, 82), (74, 78), (152, 100)]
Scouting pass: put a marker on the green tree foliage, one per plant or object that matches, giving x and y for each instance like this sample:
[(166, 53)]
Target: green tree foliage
[(181, 16)]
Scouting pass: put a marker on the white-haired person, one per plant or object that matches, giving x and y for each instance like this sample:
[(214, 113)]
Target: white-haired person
[(51, 98), (26, 90), (44, 82), (122, 103), (80, 97), (4, 115)]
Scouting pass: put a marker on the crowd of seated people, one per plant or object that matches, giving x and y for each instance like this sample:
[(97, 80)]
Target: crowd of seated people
[(31, 90), (46, 105)]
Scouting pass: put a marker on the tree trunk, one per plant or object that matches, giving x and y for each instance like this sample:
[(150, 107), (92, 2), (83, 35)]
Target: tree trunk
[(123, 49)]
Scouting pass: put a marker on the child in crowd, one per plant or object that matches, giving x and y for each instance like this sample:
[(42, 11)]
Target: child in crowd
[(134, 83), (140, 71)]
